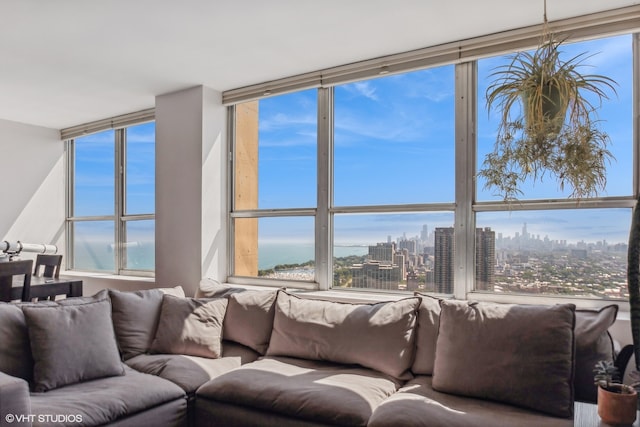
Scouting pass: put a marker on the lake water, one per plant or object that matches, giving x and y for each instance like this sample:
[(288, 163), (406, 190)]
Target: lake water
[(272, 254)]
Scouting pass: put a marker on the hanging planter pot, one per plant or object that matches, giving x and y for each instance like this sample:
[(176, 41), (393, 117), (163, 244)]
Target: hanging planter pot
[(545, 106), (548, 123)]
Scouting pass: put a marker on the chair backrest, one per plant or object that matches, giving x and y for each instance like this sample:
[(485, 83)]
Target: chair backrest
[(9, 269), (51, 265)]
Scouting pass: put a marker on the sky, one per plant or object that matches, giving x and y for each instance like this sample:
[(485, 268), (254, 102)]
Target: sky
[(394, 144), (94, 189)]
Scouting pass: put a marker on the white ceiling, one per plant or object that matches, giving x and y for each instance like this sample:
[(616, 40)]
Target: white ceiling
[(68, 62)]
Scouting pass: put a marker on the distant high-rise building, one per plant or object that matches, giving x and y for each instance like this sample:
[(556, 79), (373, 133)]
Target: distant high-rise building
[(412, 281), (443, 260), (409, 245), (486, 258), (382, 252), (400, 260), (375, 275), (424, 234)]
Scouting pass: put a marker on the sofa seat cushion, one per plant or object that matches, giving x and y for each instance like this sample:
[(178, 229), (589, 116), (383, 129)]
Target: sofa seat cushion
[(417, 404), (303, 389), (105, 400), (190, 372)]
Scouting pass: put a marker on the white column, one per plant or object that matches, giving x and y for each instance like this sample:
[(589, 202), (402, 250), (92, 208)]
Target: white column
[(191, 194)]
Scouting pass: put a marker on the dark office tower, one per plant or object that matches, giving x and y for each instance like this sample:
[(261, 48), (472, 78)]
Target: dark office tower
[(443, 260), (485, 258), (382, 252)]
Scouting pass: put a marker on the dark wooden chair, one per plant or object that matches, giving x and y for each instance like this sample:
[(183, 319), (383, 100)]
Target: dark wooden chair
[(51, 264), (9, 269)]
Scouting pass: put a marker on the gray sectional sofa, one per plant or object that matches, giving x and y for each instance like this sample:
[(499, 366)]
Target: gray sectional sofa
[(232, 357)]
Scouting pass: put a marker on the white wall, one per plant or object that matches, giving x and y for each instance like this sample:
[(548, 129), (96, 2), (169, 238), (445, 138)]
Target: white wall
[(31, 185)]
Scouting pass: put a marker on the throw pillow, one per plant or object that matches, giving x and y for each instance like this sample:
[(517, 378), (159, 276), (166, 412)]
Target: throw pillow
[(426, 335), (517, 354), (249, 319), (377, 336), (190, 326), (15, 352), (210, 288), (176, 291), (135, 319), (593, 343), (72, 343)]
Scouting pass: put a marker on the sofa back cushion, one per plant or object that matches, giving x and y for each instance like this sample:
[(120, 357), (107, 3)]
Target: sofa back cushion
[(135, 318), (426, 335), (378, 336), (211, 288), (517, 354), (249, 319), (593, 343), (190, 326), (15, 351), (72, 342)]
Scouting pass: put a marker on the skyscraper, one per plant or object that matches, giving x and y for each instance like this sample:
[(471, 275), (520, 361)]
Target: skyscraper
[(486, 258), (375, 275), (382, 252), (443, 260)]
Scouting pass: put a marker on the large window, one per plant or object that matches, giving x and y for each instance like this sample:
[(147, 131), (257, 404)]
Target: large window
[(546, 244), (387, 196), (393, 170), (111, 201), (275, 188), (383, 181)]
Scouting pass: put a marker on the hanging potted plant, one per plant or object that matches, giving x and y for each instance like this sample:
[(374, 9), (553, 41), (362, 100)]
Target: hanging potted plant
[(548, 123), (617, 402)]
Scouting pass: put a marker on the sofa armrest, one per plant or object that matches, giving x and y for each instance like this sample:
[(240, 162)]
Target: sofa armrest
[(15, 402)]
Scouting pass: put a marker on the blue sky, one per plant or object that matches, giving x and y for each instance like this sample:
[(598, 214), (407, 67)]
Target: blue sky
[(95, 189), (95, 172), (394, 144)]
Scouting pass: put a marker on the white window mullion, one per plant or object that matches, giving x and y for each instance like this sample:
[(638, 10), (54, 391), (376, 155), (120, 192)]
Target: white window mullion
[(119, 226), (465, 107), (69, 205), (324, 234)]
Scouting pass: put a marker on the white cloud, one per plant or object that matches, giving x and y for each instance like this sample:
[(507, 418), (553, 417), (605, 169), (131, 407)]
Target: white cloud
[(364, 89), (284, 121)]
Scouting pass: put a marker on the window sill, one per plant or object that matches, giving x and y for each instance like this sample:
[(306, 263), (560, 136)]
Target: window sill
[(106, 276)]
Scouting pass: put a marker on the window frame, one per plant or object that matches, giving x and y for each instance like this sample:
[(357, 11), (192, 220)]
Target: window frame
[(466, 206), (119, 217)]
